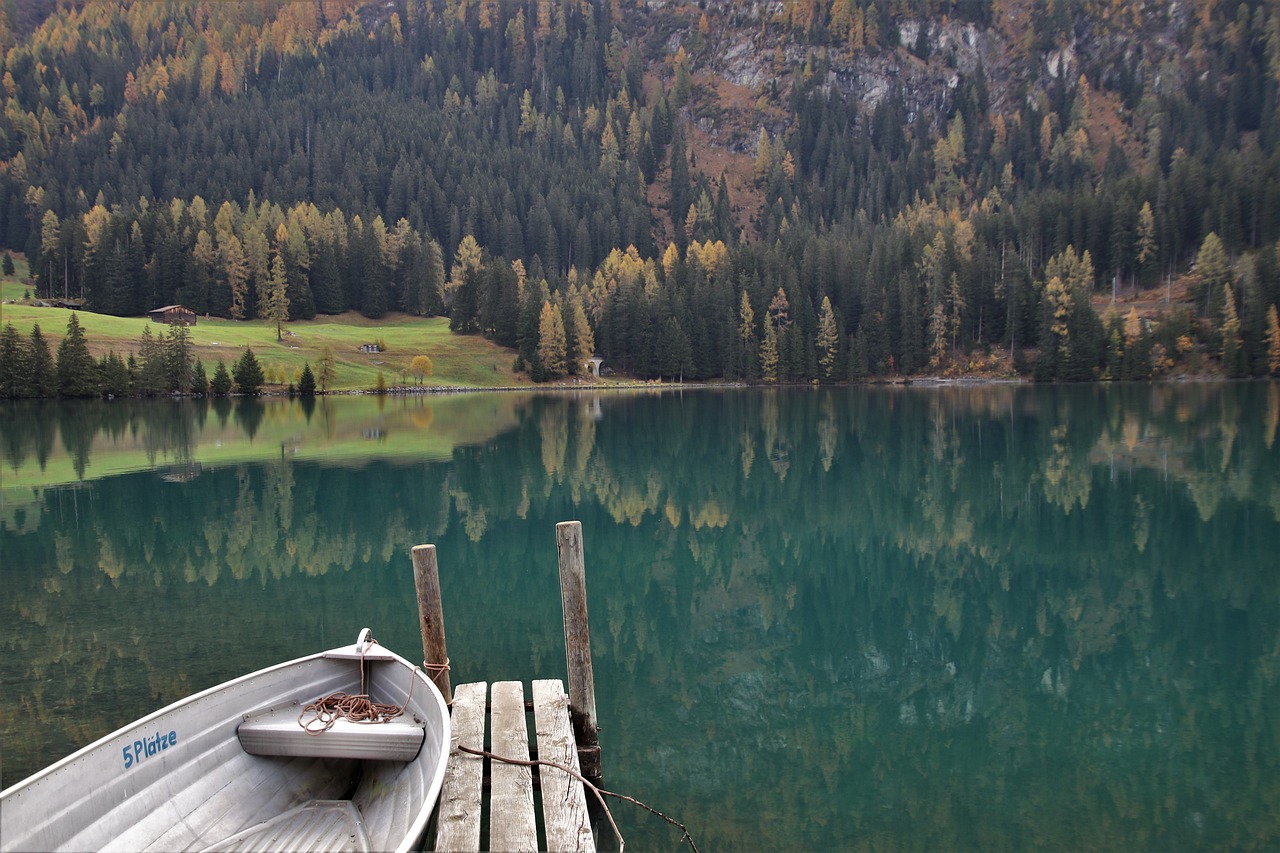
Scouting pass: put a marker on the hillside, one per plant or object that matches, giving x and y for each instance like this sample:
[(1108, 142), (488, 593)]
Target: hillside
[(796, 190)]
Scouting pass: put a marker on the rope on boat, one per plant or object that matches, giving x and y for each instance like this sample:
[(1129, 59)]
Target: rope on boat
[(355, 707)]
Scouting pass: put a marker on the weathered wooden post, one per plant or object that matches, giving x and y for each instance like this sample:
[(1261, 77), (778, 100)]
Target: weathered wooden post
[(426, 581), (577, 643)]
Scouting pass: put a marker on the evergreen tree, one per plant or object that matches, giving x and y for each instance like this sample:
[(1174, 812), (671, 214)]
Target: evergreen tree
[(1146, 244), (532, 299), (858, 366), (13, 367), (220, 385), (115, 375), (681, 188), (152, 373), (307, 382), (42, 376), (674, 353), (77, 372), (248, 374), (199, 379), (178, 359), (7, 267)]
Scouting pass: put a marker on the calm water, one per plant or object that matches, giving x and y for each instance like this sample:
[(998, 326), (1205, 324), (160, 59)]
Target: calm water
[(961, 618)]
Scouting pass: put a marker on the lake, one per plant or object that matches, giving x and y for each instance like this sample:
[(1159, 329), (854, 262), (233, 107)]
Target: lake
[(962, 618)]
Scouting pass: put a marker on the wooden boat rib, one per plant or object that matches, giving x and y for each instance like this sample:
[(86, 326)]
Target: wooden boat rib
[(186, 777)]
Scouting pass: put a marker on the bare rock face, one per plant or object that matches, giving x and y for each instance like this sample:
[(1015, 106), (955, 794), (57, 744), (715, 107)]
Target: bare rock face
[(747, 47)]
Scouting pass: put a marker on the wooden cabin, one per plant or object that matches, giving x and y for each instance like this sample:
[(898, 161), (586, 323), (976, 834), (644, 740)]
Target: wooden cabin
[(173, 315)]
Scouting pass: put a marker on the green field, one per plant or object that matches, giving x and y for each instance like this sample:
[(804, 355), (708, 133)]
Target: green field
[(459, 361)]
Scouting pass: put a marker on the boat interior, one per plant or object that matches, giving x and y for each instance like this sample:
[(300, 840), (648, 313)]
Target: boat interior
[(248, 775)]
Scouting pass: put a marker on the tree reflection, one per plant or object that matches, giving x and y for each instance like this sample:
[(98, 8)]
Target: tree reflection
[(249, 414), (944, 618)]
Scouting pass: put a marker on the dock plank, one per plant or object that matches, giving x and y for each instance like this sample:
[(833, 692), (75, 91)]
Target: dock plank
[(458, 812), (564, 802), (512, 825)]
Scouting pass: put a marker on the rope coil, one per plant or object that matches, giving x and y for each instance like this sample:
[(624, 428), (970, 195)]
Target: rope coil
[(355, 707)]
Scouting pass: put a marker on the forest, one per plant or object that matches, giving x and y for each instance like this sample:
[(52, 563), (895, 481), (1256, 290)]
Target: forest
[(538, 172)]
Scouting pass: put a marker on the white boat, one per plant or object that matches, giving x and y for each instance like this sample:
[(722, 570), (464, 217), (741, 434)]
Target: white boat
[(233, 768)]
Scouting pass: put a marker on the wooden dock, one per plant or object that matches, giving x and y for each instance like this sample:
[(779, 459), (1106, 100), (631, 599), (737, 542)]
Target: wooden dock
[(486, 798), (509, 812)]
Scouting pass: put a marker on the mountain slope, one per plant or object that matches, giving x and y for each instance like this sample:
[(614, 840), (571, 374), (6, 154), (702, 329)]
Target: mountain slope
[(924, 166)]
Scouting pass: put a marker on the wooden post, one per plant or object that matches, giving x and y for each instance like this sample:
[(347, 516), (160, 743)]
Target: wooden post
[(426, 580), (577, 643)]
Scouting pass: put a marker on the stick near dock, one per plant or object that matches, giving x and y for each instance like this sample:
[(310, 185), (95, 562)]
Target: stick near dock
[(426, 581), (577, 642)]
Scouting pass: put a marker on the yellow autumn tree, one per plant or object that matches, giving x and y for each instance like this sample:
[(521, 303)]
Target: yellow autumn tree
[(422, 366), (552, 346), (1273, 341)]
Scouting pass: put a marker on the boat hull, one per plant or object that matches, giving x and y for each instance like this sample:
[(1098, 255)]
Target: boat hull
[(180, 779)]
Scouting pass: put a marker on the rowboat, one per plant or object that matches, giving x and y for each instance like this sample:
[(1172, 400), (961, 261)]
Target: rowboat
[(340, 750)]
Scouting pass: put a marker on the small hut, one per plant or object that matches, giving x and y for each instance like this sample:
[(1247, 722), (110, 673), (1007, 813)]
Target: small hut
[(173, 315)]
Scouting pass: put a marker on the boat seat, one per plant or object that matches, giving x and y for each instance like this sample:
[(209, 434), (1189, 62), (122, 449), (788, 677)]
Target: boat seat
[(276, 731)]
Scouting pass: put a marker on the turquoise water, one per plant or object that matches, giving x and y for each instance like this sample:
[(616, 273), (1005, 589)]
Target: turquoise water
[(915, 618)]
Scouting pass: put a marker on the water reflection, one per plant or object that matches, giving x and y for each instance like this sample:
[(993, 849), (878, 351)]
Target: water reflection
[(911, 618)]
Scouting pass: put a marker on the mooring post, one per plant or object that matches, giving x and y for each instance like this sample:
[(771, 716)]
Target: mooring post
[(426, 581), (577, 644)]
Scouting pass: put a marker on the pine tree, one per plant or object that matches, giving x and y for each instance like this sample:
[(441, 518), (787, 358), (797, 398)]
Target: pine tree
[(307, 382), (115, 375), (220, 385), (151, 365), (77, 372), (199, 379), (13, 367), (675, 352), (1146, 244), (532, 298), (859, 367), (178, 358), (828, 339), (248, 374), (42, 377)]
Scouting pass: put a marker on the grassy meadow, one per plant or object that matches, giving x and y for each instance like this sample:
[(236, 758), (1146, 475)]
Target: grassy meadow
[(458, 361)]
